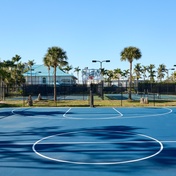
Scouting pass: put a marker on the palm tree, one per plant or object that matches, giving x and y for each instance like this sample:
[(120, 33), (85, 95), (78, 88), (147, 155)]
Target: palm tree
[(129, 54), (169, 78), (47, 62), (161, 69), (15, 61), (104, 73), (8, 72), (173, 76), (20, 70), (110, 76), (117, 74), (62, 64), (30, 64), (68, 68), (16, 58), (125, 74), (151, 72), (144, 70), (137, 71), (77, 70), (57, 57), (152, 75)]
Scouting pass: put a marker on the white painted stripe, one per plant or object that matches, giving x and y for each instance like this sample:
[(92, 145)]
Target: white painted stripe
[(91, 116), (84, 142), (148, 115), (118, 112), (97, 163), (79, 116), (64, 115)]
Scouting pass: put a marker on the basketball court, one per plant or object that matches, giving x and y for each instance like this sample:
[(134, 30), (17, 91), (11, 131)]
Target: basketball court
[(88, 141)]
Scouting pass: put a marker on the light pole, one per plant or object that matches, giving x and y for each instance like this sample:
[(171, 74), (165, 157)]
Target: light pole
[(101, 62), (101, 92)]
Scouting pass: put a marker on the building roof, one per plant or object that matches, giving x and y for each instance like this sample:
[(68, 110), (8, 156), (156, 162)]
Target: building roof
[(41, 70)]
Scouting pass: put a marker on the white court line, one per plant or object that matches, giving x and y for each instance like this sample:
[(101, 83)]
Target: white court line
[(64, 115), (118, 112), (38, 117), (149, 115), (120, 142), (168, 141), (11, 110), (118, 116), (23, 109), (84, 142), (97, 163), (94, 118)]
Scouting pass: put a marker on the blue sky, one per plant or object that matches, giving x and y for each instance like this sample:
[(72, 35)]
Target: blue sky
[(89, 30)]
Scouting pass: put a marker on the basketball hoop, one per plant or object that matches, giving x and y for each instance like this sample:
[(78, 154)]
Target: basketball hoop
[(91, 77)]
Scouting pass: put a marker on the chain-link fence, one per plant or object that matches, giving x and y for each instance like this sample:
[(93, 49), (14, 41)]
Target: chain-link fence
[(153, 92)]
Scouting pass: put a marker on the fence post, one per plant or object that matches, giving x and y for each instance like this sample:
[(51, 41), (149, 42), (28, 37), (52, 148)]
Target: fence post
[(91, 97)]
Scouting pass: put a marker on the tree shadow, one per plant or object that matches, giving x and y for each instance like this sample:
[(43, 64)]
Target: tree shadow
[(4, 114), (16, 150)]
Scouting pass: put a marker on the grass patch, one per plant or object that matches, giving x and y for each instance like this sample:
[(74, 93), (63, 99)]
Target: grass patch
[(85, 103)]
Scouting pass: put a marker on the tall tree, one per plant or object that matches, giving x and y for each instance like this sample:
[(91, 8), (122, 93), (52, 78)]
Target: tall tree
[(57, 57), (117, 74), (16, 58), (47, 62), (173, 76), (20, 70), (68, 68), (161, 70), (169, 78), (137, 71), (110, 75), (104, 73), (15, 61), (129, 54), (125, 75), (151, 72), (11, 73), (30, 64), (77, 70), (8, 72), (144, 72)]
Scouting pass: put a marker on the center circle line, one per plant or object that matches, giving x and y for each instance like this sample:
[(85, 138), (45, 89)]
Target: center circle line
[(97, 163)]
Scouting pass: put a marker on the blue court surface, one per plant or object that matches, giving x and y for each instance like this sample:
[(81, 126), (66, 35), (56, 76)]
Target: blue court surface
[(88, 141)]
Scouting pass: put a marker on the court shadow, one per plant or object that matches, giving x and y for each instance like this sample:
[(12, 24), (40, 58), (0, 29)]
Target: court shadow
[(167, 157), (40, 113), (16, 150), (5, 114)]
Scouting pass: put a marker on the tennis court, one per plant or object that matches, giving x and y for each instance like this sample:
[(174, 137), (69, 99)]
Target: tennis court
[(88, 141), (137, 96)]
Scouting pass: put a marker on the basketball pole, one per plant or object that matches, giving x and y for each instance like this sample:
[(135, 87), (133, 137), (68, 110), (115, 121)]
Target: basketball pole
[(91, 97)]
